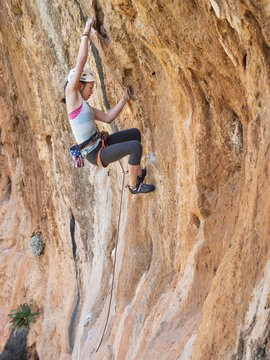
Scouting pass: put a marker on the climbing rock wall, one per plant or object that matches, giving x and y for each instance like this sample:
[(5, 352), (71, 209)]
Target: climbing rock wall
[(193, 271)]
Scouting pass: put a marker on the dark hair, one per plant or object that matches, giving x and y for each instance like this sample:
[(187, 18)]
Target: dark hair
[(64, 98)]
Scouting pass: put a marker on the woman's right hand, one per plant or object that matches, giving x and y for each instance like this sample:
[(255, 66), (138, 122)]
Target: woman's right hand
[(126, 95)]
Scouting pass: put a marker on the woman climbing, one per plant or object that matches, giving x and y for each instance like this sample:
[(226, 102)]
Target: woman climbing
[(99, 148)]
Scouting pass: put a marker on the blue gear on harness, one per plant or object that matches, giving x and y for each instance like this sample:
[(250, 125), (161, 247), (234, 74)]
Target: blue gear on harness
[(90, 144), (76, 156)]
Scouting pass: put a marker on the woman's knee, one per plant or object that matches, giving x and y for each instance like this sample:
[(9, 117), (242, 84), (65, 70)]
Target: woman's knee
[(137, 147), (136, 153), (137, 134)]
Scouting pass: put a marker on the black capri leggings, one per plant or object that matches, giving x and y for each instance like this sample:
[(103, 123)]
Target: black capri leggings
[(120, 144)]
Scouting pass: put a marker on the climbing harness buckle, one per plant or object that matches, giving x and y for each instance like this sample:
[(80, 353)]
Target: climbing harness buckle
[(84, 153)]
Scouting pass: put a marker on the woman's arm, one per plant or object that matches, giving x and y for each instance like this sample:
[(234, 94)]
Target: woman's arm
[(81, 58), (113, 113)]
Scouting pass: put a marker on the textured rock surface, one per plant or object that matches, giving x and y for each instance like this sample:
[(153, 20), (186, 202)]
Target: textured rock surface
[(193, 276)]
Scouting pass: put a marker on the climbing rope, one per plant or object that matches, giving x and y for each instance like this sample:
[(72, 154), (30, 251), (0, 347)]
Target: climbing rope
[(114, 128), (115, 256)]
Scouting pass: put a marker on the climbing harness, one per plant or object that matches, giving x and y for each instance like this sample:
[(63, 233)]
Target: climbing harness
[(99, 163), (115, 254), (88, 145), (78, 153)]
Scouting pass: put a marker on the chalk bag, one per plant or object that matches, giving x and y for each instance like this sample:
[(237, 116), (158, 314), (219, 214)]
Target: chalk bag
[(76, 156)]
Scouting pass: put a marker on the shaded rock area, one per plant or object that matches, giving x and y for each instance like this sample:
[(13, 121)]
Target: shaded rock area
[(16, 345), (193, 272)]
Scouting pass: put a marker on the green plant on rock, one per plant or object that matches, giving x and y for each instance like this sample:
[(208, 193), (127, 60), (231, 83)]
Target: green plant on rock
[(22, 317), (36, 245)]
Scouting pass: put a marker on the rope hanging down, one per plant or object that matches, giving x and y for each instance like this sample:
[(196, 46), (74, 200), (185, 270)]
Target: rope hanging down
[(114, 129), (115, 254)]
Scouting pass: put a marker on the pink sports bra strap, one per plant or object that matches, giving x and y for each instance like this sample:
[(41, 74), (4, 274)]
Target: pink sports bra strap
[(75, 113)]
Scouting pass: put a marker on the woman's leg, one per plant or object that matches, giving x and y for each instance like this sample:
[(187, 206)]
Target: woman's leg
[(120, 144), (124, 135), (116, 152), (133, 171)]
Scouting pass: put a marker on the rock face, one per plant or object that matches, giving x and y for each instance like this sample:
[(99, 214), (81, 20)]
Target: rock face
[(193, 273)]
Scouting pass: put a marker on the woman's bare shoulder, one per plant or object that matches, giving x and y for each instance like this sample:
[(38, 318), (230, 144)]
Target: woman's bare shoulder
[(73, 99)]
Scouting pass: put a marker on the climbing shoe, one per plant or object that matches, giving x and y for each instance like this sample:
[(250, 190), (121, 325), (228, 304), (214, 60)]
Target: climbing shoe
[(141, 177), (142, 188)]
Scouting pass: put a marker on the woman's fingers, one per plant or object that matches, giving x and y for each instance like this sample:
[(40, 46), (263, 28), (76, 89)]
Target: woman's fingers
[(127, 93), (90, 23)]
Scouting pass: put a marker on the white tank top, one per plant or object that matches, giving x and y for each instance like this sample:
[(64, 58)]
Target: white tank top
[(82, 122)]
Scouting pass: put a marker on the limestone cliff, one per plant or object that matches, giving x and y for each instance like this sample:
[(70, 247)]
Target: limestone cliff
[(193, 270)]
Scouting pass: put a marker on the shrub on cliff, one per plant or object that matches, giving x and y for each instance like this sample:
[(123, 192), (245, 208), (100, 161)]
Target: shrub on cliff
[(36, 245), (22, 317)]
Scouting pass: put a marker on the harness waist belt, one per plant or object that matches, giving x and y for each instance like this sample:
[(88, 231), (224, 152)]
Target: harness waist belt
[(92, 144), (88, 141)]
